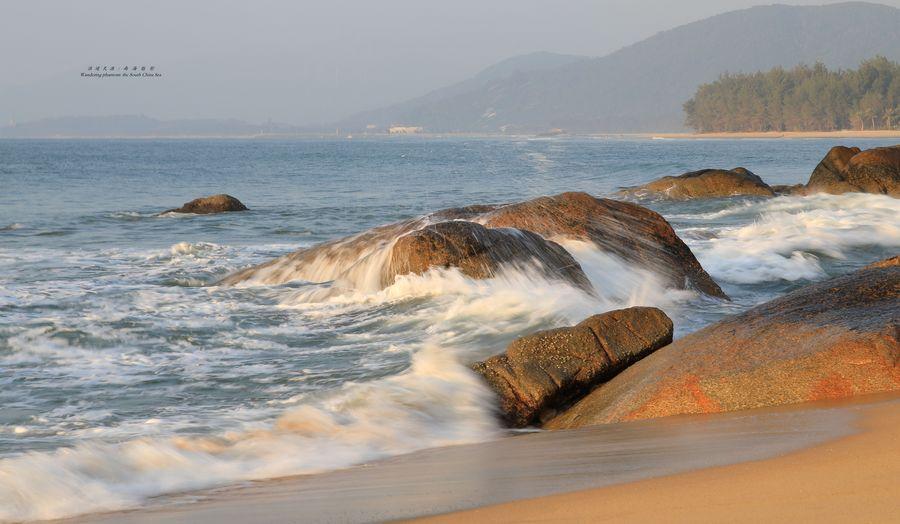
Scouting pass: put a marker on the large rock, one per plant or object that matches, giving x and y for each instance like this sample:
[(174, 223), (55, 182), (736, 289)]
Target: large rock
[(707, 183), (546, 371), (634, 233), (211, 204), (849, 170), (631, 232), (479, 252), (829, 176), (829, 340)]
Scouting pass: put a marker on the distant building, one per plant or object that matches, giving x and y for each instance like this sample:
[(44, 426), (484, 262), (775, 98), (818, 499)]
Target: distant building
[(405, 130)]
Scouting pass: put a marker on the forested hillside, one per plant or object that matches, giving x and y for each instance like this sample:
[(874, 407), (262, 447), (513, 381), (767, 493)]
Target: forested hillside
[(800, 99)]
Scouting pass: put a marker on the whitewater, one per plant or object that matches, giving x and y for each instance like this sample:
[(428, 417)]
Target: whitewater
[(127, 373)]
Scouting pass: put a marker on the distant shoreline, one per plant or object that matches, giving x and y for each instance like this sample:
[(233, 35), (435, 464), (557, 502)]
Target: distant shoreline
[(769, 135), (849, 133)]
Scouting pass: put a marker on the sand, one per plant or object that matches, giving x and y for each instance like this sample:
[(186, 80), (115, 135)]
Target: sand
[(781, 134), (853, 479), (671, 466)]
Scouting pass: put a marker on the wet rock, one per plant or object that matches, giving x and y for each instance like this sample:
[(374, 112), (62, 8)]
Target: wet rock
[(211, 204), (829, 340), (707, 183), (849, 170), (546, 371), (631, 232), (479, 252)]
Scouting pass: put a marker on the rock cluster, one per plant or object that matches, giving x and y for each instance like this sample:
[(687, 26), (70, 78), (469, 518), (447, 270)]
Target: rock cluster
[(479, 239), (829, 340), (843, 170)]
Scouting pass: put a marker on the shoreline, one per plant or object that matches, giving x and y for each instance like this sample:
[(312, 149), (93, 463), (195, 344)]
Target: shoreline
[(775, 135), (765, 135), (523, 468), (849, 479)]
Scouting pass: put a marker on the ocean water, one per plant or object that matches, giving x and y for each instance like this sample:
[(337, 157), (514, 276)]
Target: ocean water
[(125, 373)]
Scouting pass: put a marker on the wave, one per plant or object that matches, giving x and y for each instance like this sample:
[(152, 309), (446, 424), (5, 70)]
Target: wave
[(791, 235), (436, 401)]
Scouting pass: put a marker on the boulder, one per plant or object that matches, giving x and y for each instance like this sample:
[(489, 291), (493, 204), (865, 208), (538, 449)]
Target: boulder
[(479, 252), (849, 170), (829, 340), (631, 232), (211, 204), (707, 183), (546, 371)]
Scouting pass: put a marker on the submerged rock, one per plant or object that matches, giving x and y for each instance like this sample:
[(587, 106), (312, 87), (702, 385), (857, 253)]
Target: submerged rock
[(546, 371), (479, 252), (707, 183), (630, 232), (849, 170), (211, 204), (829, 340)]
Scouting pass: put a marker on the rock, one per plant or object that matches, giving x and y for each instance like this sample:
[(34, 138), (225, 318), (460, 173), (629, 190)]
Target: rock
[(633, 233), (829, 340), (211, 204), (546, 371), (792, 189), (876, 171), (848, 170), (479, 252), (707, 183), (829, 174)]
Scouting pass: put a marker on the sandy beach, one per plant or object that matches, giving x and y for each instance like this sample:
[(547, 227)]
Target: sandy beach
[(853, 479), (806, 461), (847, 133)]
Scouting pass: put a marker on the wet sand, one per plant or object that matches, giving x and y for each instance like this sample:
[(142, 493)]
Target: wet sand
[(527, 466), (853, 479)]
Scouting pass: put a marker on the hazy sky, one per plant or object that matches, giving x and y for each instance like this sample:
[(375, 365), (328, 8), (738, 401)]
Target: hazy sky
[(294, 61)]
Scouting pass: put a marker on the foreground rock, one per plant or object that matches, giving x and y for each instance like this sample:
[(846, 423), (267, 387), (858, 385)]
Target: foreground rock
[(707, 183), (829, 340), (849, 170), (633, 233), (211, 204), (546, 371)]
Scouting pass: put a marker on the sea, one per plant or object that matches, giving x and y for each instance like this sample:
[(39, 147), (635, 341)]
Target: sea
[(127, 373)]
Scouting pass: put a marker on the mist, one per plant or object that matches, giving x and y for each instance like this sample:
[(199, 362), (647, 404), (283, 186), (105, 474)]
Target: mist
[(294, 62)]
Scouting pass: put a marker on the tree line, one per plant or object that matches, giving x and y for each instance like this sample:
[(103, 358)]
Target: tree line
[(800, 99)]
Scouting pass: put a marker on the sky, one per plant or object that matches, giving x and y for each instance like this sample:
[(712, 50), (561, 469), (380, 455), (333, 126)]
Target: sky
[(299, 62)]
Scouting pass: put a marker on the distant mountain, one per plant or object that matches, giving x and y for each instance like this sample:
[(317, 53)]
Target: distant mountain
[(641, 88), (127, 126)]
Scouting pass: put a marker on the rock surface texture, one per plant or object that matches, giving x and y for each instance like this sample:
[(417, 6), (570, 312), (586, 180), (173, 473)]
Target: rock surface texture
[(211, 204), (829, 340), (628, 231), (849, 170), (479, 252), (546, 371), (707, 183), (633, 233)]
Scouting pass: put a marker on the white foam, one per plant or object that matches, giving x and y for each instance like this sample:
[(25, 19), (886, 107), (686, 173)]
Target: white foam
[(792, 234), (437, 401)]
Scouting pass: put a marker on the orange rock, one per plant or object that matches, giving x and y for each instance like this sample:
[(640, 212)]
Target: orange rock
[(833, 339)]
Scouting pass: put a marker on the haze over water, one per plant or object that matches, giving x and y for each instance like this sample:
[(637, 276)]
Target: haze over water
[(125, 374)]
